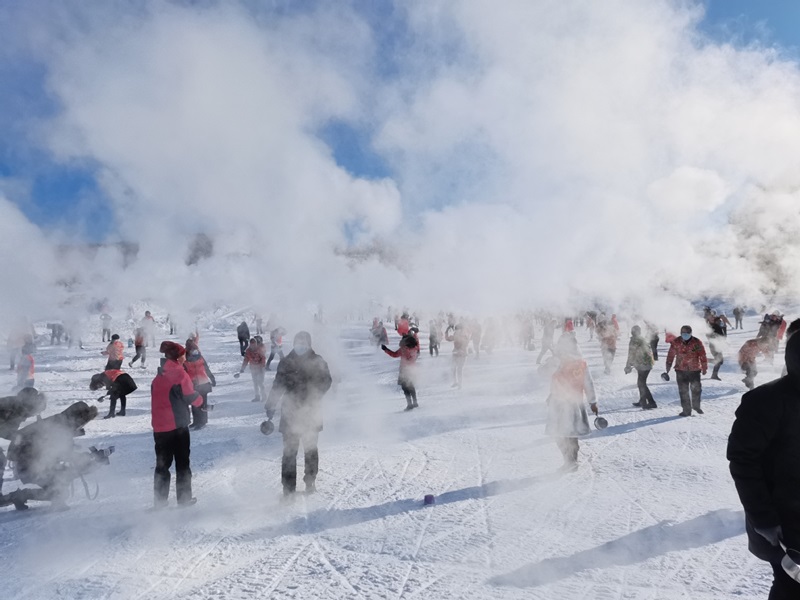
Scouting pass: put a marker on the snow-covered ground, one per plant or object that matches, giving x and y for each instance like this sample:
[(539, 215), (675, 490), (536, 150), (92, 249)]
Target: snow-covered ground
[(651, 512)]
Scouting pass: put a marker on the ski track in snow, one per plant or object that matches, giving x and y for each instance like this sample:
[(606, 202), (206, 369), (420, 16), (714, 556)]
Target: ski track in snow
[(650, 514)]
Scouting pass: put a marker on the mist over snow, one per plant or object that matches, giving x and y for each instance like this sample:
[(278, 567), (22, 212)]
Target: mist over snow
[(538, 152)]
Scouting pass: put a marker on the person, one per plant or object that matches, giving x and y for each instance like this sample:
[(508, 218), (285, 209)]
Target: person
[(259, 321), (302, 379), (406, 378), (764, 456), (689, 356), (652, 338), (607, 333), (748, 354), (255, 356), (105, 320), (640, 357), (115, 353), (44, 455), (567, 419), (202, 379), (547, 338), (56, 333), (476, 333), (275, 345), (149, 326), (590, 324), (460, 340), (243, 333), (403, 325), (738, 314), (118, 385), (140, 347), (171, 394), (26, 367), (716, 340), (14, 410), (772, 328)]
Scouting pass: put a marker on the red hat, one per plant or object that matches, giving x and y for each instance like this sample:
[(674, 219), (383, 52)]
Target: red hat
[(172, 350)]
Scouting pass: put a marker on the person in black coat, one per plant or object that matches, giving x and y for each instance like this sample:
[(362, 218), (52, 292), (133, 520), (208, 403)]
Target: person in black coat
[(117, 385), (243, 333), (764, 455), (301, 381)]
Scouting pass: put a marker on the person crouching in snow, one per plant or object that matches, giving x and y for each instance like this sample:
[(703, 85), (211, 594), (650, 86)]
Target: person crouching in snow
[(567, 419), (118, 385), (407, 353), (172, 392)]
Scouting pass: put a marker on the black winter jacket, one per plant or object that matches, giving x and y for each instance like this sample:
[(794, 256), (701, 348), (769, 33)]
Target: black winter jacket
[(764, 455), (299, 385)]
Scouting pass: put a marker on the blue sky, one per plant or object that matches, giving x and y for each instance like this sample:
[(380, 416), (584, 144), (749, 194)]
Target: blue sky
[(67, 196)]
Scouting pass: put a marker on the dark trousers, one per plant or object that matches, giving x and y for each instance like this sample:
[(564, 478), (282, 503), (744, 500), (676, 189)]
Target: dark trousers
[(608, 356), (141, 352), (410, 392), (750, 373), (172, 445), (200, 413), (112, 405), (547, 344), (645, 397), (272, 354), (106, 333), (738, 321), (783, 586), (654, 347), (291, 445), (689, 389), (243, 343), (434, 347), (113, 365)]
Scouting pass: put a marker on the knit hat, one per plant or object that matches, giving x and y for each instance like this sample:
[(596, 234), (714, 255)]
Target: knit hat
[(172, 350)]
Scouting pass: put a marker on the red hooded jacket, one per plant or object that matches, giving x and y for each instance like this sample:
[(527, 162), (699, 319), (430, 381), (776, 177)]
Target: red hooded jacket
[(171, 393), (688, 356)]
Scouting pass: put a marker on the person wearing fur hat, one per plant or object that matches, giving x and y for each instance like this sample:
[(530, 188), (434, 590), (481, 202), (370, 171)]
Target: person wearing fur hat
[(406, 379), (117, 385), (172, 393), (301, 381), (202, 379), (567, 419)]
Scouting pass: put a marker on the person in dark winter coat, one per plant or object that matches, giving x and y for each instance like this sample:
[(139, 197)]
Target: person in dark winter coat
[(117, 385), (764, 455), (738, 313), (718, 333), (570, 387), (652, 338), (171, 394), (434, 338), (406, 379), (301, 381), (243, 333), (14, 410), (640, 357), (689, 356), (275, 345), (203, 381)]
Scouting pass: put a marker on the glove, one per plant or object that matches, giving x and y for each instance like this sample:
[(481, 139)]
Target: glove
[(593, 406), (270, 414), (772, 534), (704, 371), (384, 348), (628, 370)]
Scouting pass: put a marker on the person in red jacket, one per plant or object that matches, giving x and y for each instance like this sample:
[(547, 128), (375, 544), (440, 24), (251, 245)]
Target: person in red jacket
[(171, 393), (747, 359), (202, 379), (689, 356), (256, 357), (406, 379), (114, 351), (139, 345)]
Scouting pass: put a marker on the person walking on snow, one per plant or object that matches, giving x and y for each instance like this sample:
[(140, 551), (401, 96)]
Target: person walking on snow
[(115, 353), (243, 333), (738, 314), (406, 379), (202, 379), (149, 327), (171, 395), (764, 456), (118, 385), (460, 341), (547, 338), (607, 333), (302, 379), (275, 344), (256, 357), (748, 354), (689, 356), (105, 320), (571, 385), (139, 345), (26, 367), (640, 357)]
